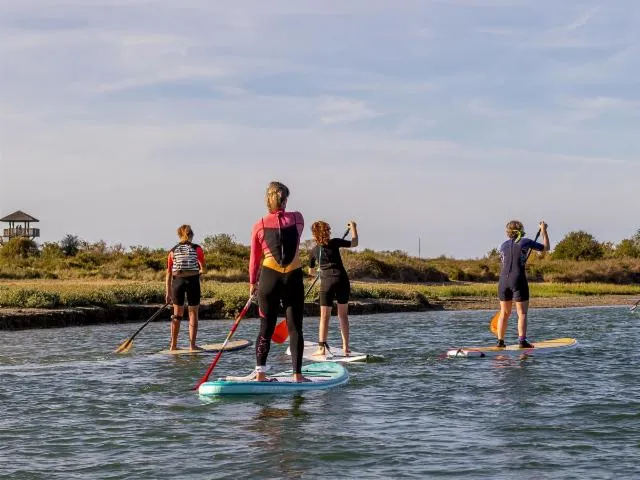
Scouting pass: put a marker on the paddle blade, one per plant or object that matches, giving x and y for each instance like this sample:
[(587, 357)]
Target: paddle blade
[(124, 346), (281, 333), (493, 324)]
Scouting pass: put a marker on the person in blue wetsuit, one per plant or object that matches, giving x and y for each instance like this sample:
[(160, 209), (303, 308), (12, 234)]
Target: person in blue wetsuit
[(513, 284)]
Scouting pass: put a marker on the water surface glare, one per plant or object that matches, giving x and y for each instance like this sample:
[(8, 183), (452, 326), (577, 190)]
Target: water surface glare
[(72, 409)]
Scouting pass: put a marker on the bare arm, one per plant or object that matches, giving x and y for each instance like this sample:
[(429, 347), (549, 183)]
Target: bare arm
[(545, 237), (354, 233)]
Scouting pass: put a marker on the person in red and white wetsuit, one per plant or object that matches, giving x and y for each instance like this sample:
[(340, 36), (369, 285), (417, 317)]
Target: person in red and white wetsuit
[(185, 264), (275, 244)]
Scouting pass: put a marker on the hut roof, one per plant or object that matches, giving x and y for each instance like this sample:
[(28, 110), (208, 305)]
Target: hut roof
[(19, 216)]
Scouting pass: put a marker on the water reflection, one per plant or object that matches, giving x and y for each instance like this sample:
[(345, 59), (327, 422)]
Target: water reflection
[(278, 430)]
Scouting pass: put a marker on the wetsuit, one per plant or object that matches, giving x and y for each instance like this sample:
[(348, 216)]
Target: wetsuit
[(334, 282), (513, 284), (184, 264), (275, 242)]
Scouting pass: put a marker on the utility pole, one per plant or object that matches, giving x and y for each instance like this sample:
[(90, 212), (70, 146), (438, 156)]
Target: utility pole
[(418, 247)]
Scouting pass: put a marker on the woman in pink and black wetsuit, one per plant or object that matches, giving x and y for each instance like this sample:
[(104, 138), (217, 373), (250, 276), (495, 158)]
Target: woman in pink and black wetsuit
[(275, 242)]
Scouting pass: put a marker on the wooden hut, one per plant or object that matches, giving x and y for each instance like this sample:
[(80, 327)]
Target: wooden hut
[(19, 226)]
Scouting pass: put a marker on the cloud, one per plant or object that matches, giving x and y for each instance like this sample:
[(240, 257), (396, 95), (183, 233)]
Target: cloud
[(413, 116), (344, 110)]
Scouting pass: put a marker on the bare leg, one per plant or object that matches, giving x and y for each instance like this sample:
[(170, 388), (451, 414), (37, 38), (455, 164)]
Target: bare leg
[(343, 316), (178, 311), (193, 326), (323, 329), (522, 308), (505, 311)]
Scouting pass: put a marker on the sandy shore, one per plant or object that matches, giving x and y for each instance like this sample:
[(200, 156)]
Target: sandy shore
[(24, 318), (471, 303)]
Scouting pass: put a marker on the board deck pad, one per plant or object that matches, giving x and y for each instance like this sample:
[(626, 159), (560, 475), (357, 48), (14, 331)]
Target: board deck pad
[(540, 348), (335, 354), (322, 375), (210, 348)]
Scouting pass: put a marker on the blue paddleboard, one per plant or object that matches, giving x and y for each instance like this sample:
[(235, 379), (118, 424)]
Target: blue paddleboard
[(322, 375)]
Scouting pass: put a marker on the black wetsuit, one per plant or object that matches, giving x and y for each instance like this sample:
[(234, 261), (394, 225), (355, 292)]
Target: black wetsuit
[(334, 281), (275, 244)]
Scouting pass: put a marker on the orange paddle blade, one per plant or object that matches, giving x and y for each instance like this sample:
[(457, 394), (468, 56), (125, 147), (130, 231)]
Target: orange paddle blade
[(125, 346), (281, 332), (493, 324)]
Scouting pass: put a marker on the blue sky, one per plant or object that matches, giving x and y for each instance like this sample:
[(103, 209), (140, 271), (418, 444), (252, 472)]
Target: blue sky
[(431, 119)]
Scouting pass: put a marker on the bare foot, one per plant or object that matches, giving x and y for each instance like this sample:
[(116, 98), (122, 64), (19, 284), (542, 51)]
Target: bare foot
[(346, 351), (195, 349), (321, 351), (261, 377), (298, 378)]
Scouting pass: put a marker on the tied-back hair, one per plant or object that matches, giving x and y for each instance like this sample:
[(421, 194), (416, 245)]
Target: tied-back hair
[(320, 231), (185, 234), (515, 230), (277, 194)]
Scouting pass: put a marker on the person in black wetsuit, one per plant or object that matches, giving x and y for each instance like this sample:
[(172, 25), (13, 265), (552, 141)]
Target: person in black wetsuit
[(334, 281), (513, 284), (275, 275)]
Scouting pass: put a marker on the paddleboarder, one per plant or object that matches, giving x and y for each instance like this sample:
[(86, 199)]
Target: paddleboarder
[(334, 281), (275, 245), (513, 285), (185, 264)]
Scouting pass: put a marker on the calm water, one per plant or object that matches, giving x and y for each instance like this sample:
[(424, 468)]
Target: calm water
[(71, 409)]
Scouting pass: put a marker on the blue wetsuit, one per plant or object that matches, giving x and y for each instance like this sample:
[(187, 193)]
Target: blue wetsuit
[(513, 283)]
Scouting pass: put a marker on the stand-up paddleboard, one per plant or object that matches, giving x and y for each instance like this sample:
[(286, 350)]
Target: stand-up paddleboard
[(322, 375), (540, 348), (334, 354), (210, 348)]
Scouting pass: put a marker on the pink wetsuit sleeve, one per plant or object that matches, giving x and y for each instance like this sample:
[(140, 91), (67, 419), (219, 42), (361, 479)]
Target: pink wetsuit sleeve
[(300, 223), (256, 254)]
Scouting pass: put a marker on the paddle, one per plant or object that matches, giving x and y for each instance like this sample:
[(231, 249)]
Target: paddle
[(128, 343), (635, 306), (239, 317), (281, 331), (493, 324)]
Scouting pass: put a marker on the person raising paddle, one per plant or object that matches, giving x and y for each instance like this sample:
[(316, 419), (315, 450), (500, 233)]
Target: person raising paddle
[(275, 243), (513, 284), (185, 264), (334, 281)]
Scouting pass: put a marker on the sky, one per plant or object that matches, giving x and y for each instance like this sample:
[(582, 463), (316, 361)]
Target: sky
[(431, 123)]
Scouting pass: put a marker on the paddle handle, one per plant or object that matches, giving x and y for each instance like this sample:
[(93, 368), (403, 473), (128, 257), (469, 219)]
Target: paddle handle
[(153, 317), (242, 313)]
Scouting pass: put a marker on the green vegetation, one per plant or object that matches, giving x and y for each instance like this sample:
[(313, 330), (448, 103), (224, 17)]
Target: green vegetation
[(99, 274), (73, 293)]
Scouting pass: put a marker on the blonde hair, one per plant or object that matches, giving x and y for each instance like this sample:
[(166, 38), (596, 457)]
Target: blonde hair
[(515, 229), (185, 234), (276, 196), (320, 231)]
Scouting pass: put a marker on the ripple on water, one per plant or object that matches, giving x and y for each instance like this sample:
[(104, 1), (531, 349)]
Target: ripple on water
[(72, 409)]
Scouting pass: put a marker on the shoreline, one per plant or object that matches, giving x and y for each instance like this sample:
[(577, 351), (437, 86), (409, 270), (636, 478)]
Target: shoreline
[(37, 318)]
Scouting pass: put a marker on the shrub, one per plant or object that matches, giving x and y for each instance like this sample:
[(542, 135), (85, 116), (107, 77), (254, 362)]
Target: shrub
[(70, 245), (578, 245), (19, 247)]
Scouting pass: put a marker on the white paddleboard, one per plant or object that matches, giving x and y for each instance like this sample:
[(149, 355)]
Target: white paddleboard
[(334, 354), (210, 348), (540, 348)]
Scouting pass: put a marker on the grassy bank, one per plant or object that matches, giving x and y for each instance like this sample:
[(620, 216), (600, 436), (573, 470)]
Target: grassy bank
[(74, 293)]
